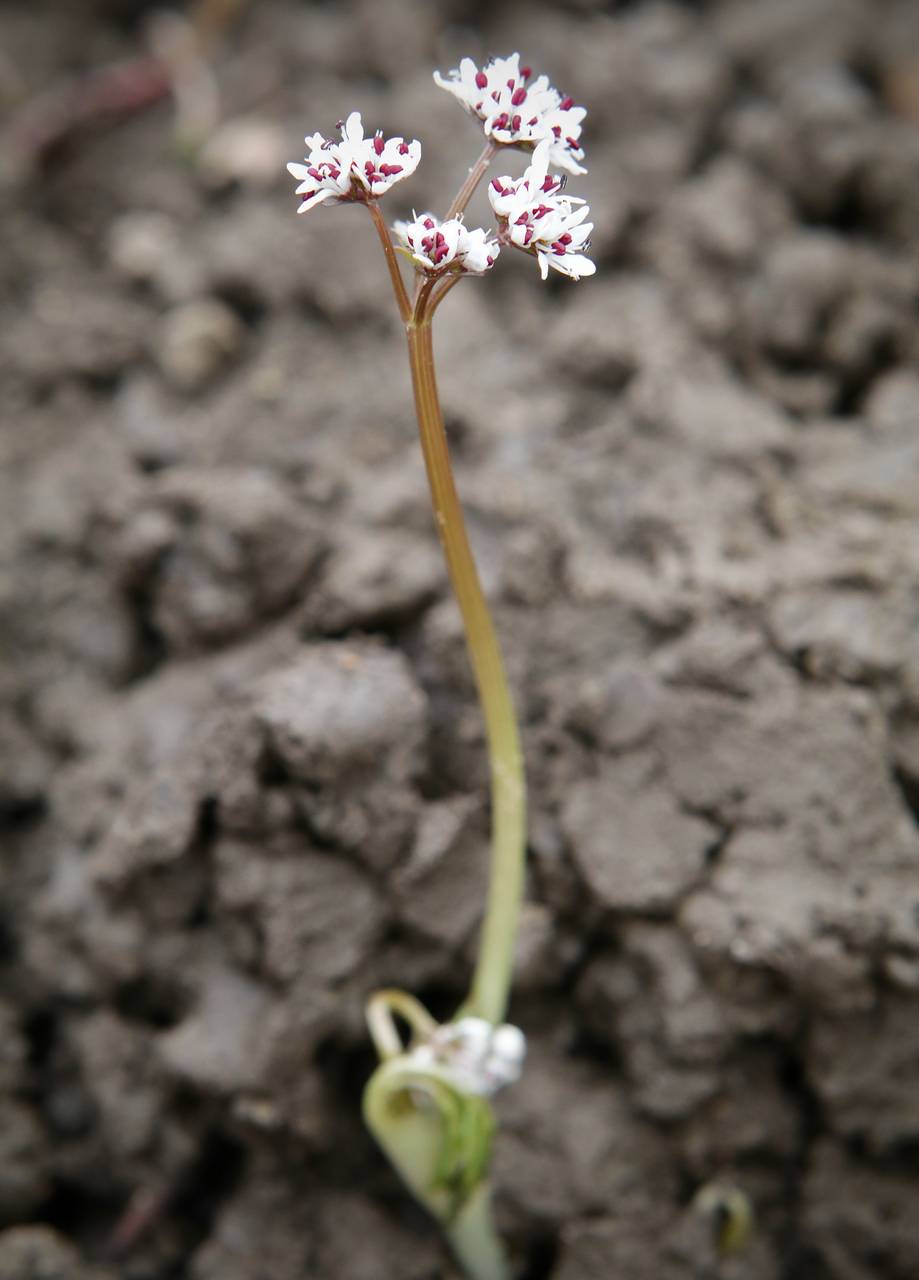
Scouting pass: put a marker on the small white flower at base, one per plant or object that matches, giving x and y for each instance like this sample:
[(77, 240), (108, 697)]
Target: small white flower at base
[(354, 167), (435, 245), (536, 218), (476, 1057), (517, 110)]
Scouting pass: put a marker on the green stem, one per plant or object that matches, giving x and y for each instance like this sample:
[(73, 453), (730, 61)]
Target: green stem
[(491, 982), (474, 1240)]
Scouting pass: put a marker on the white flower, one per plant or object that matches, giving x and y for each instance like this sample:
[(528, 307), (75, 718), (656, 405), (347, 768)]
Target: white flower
[(518, 111), (536, 218), (473, 1055), (434, 245), (353, 167)]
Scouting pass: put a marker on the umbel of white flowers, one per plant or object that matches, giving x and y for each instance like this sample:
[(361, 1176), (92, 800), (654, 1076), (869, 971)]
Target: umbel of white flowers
[(517, 110), (533, 214)]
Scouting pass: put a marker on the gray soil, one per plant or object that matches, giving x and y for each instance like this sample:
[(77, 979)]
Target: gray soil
[(243, 779)]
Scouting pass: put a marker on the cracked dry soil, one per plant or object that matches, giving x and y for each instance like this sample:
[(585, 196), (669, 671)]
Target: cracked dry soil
[(242, 775)]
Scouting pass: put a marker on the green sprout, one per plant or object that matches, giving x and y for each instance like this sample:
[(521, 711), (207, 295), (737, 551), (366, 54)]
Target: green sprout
[(427, 1103)]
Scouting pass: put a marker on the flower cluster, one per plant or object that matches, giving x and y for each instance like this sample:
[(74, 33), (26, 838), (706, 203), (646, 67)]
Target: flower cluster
[(476, 1057), (517, 110), (533, 214), (436, 246), (535, 217), (354, 167)]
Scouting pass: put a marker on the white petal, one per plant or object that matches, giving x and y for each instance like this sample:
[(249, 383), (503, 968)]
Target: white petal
[(563, 159), (579, 266), (539, 166), (319, 198), (354, 128)]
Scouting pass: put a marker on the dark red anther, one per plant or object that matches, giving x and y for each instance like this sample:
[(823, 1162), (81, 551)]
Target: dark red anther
[(497, 186), (369, 169), (565, 238), (489, 259), (526, 72), (511, 83), (403, 149), (429, 223), (315, 174), (390, 170), (519, 222), (548, 183), (500, 122), (378, 144), (533, 120), (558, 247), (528, 235), (334, 173), (481, 80), (518, 96), (557, 130), (566, 104)]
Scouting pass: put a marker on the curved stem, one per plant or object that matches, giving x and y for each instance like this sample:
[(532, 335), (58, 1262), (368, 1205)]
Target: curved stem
[(491, 982), (395, 275), (442, 292), (380, 1009)]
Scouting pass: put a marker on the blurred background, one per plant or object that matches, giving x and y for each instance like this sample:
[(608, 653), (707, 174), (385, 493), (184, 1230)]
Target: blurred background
[(242, 775)]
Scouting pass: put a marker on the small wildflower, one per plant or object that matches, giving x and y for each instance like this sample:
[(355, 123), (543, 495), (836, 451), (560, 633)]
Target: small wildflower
[(435, 245), (478, 1058), (517, 110), (354, 167), (536, 218)]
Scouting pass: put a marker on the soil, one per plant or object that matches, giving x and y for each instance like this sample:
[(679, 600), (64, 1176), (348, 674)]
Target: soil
[(243, 780)]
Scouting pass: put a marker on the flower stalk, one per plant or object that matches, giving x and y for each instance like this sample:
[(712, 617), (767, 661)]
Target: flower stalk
[(491, 982), (427, 1103)]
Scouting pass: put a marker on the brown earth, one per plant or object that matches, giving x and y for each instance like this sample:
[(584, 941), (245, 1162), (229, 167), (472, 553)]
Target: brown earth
[(242, 776)]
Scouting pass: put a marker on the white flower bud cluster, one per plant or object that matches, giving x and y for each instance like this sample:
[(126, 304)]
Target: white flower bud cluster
[(474, 1055), (517, 110), (435, 245), (537, 218), (353, 167)]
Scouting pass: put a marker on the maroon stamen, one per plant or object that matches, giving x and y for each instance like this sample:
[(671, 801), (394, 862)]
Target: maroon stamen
[(481, 80), (518, 96), (566, 104), (378, 143)]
